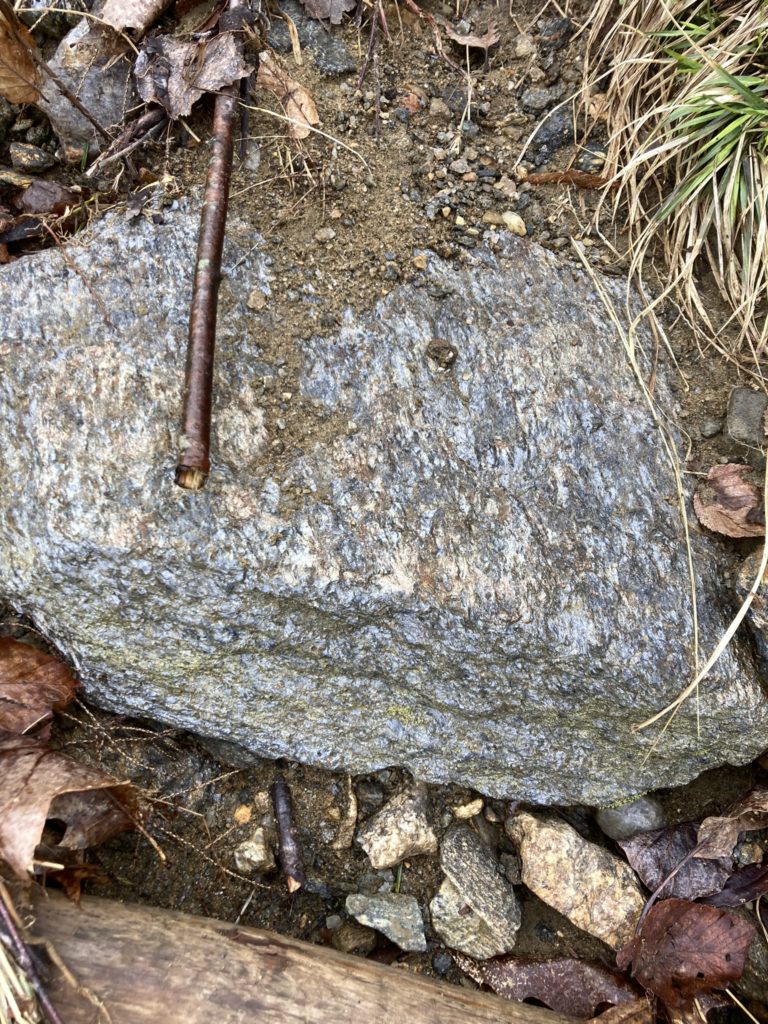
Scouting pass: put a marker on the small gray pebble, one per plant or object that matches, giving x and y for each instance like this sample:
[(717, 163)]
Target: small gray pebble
[(711, 428), (641, 815), (442, 962)]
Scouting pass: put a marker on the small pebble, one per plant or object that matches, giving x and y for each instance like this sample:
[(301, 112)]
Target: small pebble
[(468, 810), (711, 428), (625, 821), (325, 235), (514, 222), (29, 158)]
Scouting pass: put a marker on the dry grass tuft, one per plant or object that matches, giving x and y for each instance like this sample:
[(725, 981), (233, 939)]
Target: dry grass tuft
[(687, 107)]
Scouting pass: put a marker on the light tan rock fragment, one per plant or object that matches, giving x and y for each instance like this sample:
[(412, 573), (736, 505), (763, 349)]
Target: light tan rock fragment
[(400, 829), (594, 889)]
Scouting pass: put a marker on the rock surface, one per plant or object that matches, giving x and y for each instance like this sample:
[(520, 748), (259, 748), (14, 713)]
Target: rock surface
[(394, 915), (476, 911), (593, 888), (476, 572), (400, 829), (627, 820)]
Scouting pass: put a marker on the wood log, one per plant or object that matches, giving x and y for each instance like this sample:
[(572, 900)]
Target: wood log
[(149, 965)]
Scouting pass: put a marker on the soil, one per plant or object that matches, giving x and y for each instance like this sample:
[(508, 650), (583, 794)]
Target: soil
[(411, 159)]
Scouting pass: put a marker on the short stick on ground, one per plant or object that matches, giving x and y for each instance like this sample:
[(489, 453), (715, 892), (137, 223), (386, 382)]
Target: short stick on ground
[(290, 854)]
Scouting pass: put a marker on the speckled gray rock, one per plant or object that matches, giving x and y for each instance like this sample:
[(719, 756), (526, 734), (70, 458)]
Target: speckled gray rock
[(746, 412), (476, 910), (477, 573), (96, 66), (330, 55), (395, 915), (400, 829)]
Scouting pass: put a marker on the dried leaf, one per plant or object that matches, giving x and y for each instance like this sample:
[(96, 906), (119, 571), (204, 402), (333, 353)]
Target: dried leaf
[(729, 504), (32, 777), (175, 74), (33, 684), (71, 878), (294, 98), (654, 856), (568, 986), (18, 68), (134, 14), (744, 885), (328, 10), (719, 835), (685, 948), (474, 40)]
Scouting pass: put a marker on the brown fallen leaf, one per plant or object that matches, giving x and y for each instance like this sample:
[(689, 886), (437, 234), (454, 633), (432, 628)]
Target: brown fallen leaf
[(296, 102), (138, 15), (33, 782), (567, 986), (175, 74), (33, 685), (719, 834), (655, 855), (328, 10), (18, 67), (684, 949), (729, 504), (473, 40)]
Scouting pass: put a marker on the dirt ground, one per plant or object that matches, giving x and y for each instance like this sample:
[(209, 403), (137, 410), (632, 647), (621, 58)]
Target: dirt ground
[(413, 158)]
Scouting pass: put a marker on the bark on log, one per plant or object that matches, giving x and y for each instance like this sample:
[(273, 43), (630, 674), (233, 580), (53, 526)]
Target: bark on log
[(149, 965)]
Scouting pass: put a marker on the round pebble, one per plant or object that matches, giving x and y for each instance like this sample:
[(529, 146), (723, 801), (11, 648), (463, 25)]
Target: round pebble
[(622, 822), (711, 428)]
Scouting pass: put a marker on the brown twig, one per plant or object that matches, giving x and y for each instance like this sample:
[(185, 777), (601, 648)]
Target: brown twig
[(194, 462), (290, 854), (23, 955), (136, 133)]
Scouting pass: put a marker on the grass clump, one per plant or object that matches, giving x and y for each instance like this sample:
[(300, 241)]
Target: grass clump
[(687, 108)]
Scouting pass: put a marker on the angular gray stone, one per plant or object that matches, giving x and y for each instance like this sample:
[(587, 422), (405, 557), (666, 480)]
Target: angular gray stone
[(96, 66), (478, 574), (476, 910), (394, 915), (746, 412)]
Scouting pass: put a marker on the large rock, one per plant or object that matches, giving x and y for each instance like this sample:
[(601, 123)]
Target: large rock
[(477, 572)]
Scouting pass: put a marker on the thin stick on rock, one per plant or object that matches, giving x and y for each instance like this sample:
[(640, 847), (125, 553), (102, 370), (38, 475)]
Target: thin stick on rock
[(290, 854), (194, 462)]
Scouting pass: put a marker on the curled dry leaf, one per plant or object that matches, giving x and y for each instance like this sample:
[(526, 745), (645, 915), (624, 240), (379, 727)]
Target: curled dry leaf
[(719, 834), (744, 885), (296, 102), (138, 15), (328, 10), (18, 64), (474, 40), (567, 986), (175, 74), (655, 855), (683, 949), (37, 783), (729, 504), (33, 685)]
